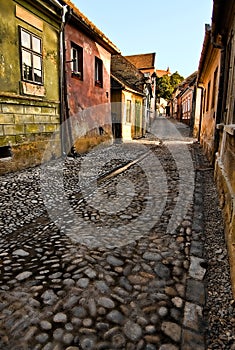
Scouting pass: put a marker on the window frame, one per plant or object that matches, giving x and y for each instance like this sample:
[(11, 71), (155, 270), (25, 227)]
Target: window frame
[(214, 87), (98, 72), (78, 73), (128, 111), (208, 96), (33, 54)]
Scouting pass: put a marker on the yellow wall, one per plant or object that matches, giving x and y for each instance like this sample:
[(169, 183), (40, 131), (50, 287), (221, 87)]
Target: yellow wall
[(209, 116), (29, 113)]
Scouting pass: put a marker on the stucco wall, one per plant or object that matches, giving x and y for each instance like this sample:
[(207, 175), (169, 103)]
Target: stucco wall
[(29, 113), (87, 102), (209, 115)]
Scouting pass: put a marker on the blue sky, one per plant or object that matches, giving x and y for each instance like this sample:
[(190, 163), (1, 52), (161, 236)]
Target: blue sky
[(173, 29)]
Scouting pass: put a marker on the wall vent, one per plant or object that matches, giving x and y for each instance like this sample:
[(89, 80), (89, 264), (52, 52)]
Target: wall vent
[(5, 152)]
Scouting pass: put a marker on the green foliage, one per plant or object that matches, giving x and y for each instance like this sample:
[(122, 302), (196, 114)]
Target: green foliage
[(166, 84)]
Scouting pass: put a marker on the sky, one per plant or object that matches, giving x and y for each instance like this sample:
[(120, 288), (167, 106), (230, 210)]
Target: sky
[(174, 30)]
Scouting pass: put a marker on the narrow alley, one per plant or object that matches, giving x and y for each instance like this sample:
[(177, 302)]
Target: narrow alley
[(120, 248)]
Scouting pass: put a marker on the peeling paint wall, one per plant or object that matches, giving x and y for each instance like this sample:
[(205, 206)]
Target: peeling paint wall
[(209, 108), (29, 112), (88, 104)]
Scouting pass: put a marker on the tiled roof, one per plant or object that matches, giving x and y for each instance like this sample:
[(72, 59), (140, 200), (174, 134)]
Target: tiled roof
[(91, 27), (160, 72), (127, 73), (142, 61), (189, 80)]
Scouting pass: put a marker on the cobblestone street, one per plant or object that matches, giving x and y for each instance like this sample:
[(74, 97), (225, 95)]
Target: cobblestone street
[(116, 252)]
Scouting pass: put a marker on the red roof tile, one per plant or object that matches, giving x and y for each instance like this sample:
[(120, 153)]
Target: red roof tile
[(91, 26), (142, 61)]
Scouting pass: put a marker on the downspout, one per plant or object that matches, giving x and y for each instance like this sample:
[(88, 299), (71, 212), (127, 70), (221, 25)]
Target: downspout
[(62, 80), (64, 9)]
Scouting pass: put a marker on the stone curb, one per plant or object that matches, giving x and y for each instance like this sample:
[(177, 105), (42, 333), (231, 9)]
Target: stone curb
[(194, 326)]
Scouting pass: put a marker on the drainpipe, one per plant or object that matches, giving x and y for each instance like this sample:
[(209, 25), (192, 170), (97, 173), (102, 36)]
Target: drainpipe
[(64, 9), (62, 80)]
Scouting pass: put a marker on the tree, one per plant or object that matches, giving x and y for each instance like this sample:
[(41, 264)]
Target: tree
[(166, 84)]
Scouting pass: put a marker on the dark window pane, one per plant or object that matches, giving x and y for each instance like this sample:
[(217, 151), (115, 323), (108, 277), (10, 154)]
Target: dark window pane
[(37, 75), (77, 61)]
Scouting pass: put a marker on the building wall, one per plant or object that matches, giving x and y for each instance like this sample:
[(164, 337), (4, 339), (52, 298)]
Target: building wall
[(209, 103), (116, 110), (196, 126), (29, 112), (186, 102), (225, 156), (88, 104), (127, 126), (135, 127)]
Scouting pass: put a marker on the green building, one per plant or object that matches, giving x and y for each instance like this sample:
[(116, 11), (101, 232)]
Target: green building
[(29, 81)]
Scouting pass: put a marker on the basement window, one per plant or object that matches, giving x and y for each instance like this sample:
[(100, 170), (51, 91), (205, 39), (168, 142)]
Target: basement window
[(98, 72), (77, 61), (5, 152), (31, 57)]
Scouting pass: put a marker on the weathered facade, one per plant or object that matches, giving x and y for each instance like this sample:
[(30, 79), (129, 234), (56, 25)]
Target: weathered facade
[(87, 81), (182, 103), (128, 99), (217, 124), (29, 82), (208, 81)]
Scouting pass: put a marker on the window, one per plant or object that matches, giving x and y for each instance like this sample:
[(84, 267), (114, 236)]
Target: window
[(98, 72), (214, 88), (189, 104), (208, 96), (31, 57), (77, 61), (204, 100), (128, 111)]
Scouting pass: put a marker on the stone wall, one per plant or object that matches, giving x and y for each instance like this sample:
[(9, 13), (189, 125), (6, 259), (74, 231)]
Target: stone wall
[(26, 127), (224, 177)]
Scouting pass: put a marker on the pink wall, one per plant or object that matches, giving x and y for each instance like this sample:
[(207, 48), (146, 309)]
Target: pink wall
[(84, 94)]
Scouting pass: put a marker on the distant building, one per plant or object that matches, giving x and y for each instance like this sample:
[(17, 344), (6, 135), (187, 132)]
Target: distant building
[(161, 73), (146, 64), (128, 99), (181, 105)]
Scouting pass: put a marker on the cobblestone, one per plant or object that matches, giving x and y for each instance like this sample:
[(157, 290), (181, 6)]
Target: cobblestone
[(119, 283)]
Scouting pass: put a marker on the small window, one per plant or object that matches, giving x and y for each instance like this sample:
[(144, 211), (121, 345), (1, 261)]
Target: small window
[(208, 96), (204, 101), (128, 111), (214, 88), (98, 72), (77, 61), (31, 57), (5, 152)]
